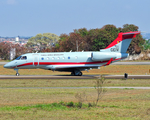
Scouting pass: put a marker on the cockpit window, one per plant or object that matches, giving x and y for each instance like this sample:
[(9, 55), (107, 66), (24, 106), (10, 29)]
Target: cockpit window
[(21, 58), (18, 58)]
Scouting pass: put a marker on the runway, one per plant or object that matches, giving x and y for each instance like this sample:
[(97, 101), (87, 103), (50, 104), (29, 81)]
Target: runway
[(129, 76), (73, 77), (46, 77), (3, 63)]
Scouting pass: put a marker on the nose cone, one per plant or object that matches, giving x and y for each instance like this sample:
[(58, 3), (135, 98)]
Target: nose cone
[(8, 65)]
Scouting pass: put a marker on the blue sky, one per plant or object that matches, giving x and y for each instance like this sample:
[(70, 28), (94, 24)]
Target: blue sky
[(30, 17)]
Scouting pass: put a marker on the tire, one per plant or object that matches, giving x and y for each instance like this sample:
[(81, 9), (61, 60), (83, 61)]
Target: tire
[(17, 74), (80, 74)]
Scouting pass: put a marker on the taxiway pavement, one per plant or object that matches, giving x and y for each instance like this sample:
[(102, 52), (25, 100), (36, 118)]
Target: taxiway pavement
[(73, 77), (46, 77)]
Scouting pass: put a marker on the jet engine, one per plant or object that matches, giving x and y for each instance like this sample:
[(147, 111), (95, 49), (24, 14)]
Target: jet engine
[(102, 56)]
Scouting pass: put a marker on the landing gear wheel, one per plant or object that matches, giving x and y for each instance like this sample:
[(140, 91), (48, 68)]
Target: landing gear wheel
[(80, 74), (17, 74), (72, 74)]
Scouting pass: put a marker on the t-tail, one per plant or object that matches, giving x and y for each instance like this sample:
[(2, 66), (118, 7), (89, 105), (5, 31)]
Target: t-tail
[(121, 43), (117, 49)]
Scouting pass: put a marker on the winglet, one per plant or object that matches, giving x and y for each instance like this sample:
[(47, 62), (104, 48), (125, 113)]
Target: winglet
[(109, 61)]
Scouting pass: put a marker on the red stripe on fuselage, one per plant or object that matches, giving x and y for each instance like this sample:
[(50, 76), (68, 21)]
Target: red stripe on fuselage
[(64, 63), (26, 64), (69, 63)]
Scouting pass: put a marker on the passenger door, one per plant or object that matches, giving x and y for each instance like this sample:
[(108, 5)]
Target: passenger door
[(35, 60)]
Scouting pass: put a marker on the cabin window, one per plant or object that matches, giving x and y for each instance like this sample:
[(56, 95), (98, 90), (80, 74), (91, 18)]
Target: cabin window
[(63, 58), (58, 58), (68, 57), (53, 58), (76, 57), (42, 58), (47, 58)]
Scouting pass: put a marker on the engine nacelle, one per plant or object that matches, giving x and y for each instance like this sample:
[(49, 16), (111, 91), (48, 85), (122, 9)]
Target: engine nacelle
[(102, 56)]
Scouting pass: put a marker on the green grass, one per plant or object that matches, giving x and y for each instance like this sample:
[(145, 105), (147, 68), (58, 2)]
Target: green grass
[(37, 104), (109, 108), (16, 104), (5, 60), (47, 107)]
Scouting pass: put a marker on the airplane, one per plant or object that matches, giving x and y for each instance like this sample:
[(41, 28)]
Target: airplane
[(75, 62)]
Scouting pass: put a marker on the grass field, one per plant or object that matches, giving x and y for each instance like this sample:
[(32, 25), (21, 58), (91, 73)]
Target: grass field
[(37, 104), (6, 83), (112, 69), (27, 103)]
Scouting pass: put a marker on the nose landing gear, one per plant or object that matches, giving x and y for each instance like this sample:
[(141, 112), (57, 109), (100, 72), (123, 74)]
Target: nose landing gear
[(17, 74)]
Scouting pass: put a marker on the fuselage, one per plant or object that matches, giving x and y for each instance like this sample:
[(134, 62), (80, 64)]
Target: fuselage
[(64, 61)]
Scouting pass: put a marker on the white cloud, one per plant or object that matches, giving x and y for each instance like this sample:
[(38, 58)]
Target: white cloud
[(11, 2)]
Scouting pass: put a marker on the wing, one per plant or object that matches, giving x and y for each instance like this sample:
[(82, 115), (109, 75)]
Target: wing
[(81, 67)]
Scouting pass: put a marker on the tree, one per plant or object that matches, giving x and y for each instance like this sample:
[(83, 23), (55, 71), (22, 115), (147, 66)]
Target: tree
[(129, 27), (63, 43), (5, 48), (43, 41), (83, 32), (96, 39), (147, 45), (112, 30), (74, 41), (99, 38), (136, 45), (21, 50)]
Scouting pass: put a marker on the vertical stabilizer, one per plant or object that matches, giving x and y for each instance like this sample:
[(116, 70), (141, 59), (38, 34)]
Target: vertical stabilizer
[(121, 43)]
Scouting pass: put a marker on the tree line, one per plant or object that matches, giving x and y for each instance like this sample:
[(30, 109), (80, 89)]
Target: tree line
[(6, 47), (78, 40), (96, 39)]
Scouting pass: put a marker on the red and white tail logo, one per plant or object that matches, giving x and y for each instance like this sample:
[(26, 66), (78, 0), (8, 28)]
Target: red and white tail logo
[(121, 43)]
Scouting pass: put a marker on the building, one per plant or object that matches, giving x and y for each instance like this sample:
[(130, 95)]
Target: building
[(17, 40)]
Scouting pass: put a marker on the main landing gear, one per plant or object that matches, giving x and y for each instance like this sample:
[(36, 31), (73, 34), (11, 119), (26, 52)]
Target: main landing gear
[(76, 73), (17, 74)]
